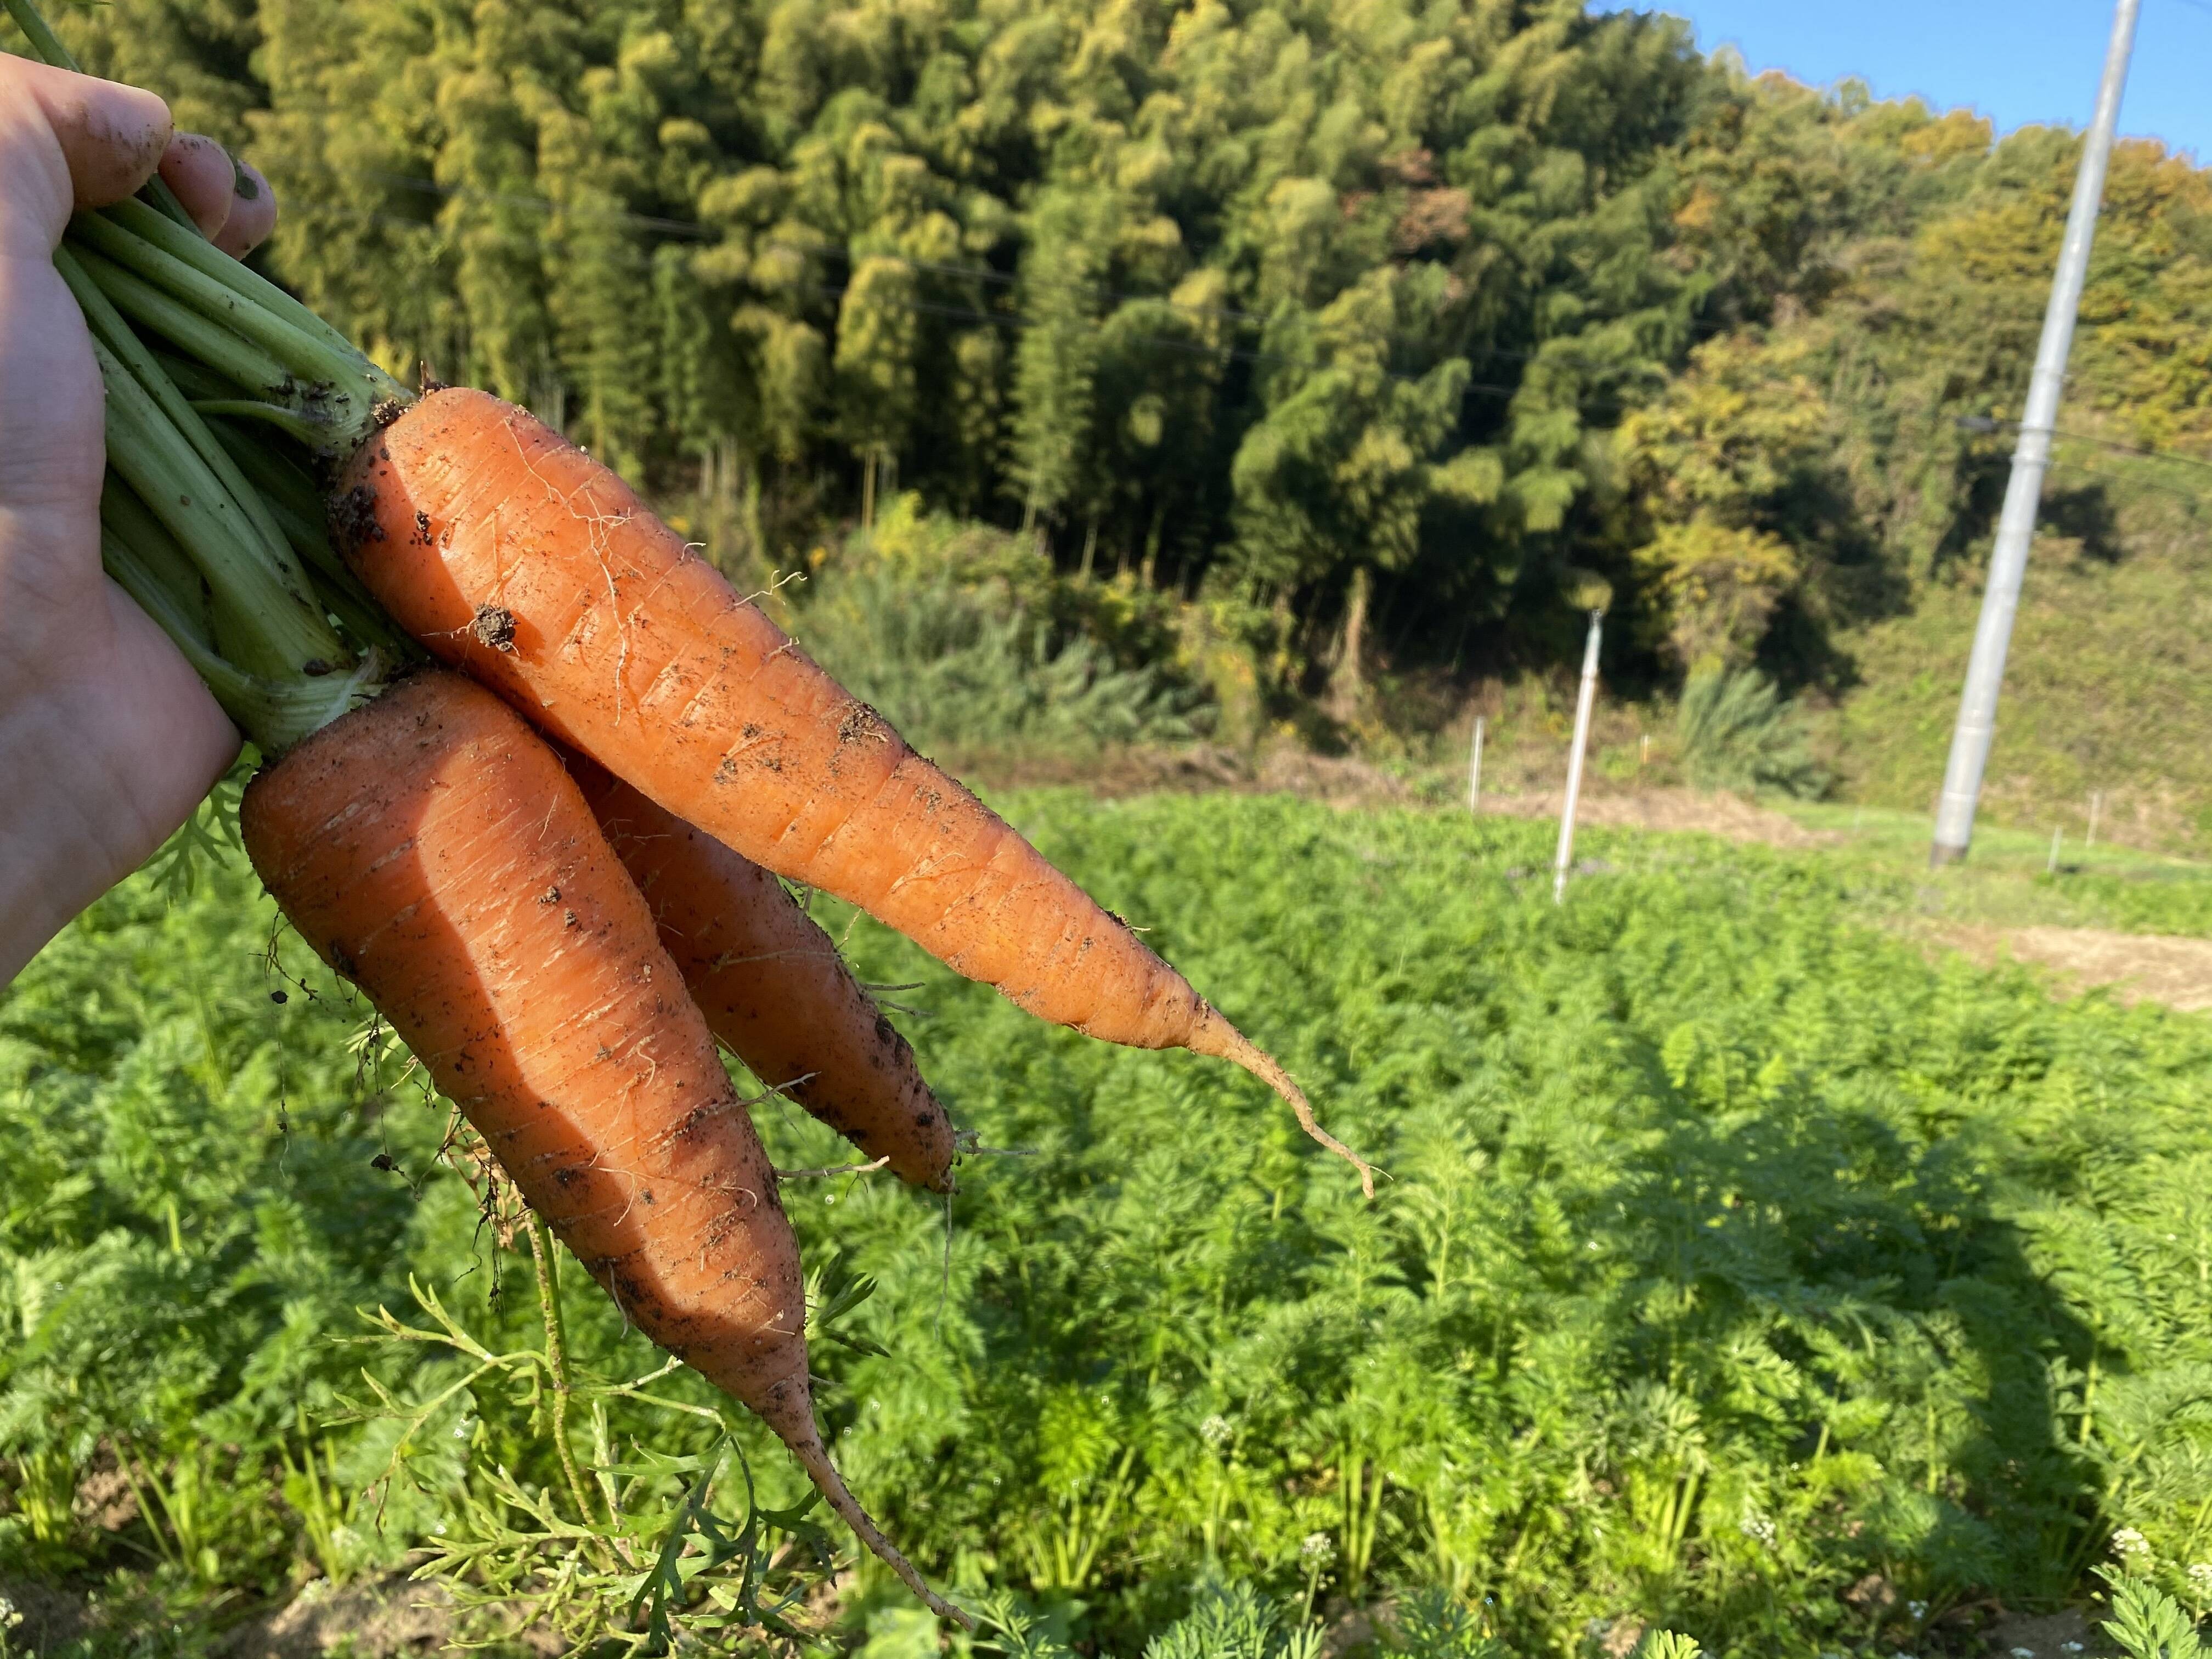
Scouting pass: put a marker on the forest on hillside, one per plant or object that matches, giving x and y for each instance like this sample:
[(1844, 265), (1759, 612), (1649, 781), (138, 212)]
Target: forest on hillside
[(1401, 332)]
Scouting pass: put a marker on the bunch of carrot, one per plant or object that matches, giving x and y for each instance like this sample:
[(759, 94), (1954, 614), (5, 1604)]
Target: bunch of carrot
[(531, 772)]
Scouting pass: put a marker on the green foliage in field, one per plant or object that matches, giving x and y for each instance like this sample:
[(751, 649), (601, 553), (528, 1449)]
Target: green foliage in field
[(1734, 733), (188, 1217), (953, 654), (1724, 1265)]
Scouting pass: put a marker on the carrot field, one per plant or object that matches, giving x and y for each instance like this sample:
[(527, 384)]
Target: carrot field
[(1739, 1270)]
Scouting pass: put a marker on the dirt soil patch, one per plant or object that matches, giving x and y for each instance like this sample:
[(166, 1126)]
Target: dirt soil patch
[(1724, 815), (386, 1619), (391, 1619), (2138, 967), (1342, 780), (2062, 1635), (1347, 780)]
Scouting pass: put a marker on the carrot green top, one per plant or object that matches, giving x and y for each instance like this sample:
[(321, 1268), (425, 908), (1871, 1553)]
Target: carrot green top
[(212, 531)]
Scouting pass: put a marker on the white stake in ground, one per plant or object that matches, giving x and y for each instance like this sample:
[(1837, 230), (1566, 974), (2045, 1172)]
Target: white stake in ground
[(1582, 702), (1474, 769)]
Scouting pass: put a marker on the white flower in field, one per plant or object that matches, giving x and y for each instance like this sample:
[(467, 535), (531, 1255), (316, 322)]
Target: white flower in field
[(1756, 1527), (2069, 1647), (2023, 1653), (1317, 1551), (2131, 1546), (1917, 1609), (2200, 1580), (1215, 1430)]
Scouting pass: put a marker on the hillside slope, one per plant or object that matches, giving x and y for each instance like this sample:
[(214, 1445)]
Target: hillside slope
[(2108, 688)]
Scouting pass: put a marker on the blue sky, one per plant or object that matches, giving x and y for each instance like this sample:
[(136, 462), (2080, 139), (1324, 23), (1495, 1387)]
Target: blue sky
[(2015, 61)]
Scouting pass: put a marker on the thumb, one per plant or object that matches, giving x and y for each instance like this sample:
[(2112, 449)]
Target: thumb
[(69, 141)]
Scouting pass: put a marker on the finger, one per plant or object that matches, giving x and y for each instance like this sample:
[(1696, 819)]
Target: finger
[(252, 213), (69, 141), (198, 169)]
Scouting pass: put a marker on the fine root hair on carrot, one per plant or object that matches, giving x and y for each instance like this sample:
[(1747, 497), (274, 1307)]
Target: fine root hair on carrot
[(837, 1170)]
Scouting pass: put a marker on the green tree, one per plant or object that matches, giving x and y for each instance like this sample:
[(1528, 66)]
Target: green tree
[(1056, 362)]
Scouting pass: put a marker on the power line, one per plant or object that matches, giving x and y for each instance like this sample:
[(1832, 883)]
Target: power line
[(2108, 477), (1992, 423)]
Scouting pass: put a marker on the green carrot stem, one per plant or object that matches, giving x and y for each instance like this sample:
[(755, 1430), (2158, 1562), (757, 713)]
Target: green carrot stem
[(309, 359), (135, 575), (204, 257), (114, 332), (124, 516), (182, 528), (366, 622), (287, 421), (192, 378), (297, 506), (242, 362), (273, 713), (289, 494), (45, 46), (284, 634), (336, 386)]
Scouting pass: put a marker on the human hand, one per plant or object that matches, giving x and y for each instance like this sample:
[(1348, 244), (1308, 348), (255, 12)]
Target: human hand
[(108, 739)]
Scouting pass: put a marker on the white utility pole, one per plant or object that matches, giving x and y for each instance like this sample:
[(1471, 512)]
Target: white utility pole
[(1474, 769), (1977, 704), (1583, 699)]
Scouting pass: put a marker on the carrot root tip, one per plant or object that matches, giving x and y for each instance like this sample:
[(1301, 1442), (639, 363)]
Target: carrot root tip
[(1218, 1037), (815, 1459)]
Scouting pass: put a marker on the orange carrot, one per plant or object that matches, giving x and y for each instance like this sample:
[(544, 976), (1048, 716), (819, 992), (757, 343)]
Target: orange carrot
[(432, 849), (772, 986), (515, 557)]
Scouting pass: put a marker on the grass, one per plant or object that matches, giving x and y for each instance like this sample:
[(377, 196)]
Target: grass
[(2007, 880), (2104, 683), (1767, 1281)]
